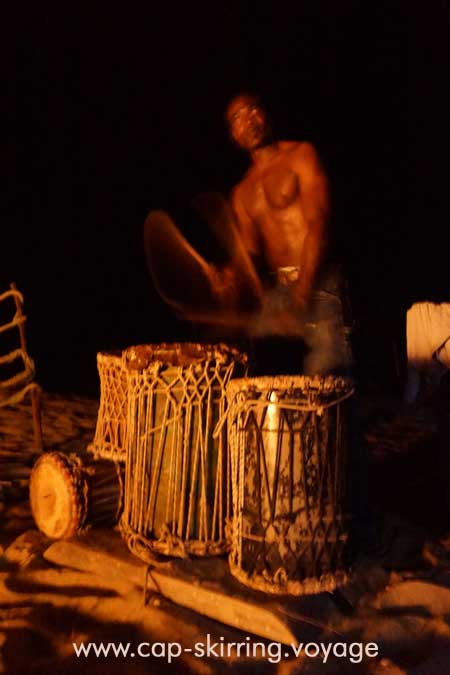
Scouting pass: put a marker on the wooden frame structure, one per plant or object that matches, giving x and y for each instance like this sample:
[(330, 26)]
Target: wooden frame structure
[(18, 366)]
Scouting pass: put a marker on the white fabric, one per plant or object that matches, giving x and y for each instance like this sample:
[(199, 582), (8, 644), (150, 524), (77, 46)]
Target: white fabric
[(427, 345), (427, 334)]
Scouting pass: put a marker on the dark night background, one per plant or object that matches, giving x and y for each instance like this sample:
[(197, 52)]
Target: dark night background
[(110, 113)]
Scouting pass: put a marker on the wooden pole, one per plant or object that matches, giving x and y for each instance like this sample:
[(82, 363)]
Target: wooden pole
[(36, 391)]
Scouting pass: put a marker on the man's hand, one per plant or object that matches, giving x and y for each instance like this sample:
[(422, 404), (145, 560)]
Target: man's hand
[(224, 286)]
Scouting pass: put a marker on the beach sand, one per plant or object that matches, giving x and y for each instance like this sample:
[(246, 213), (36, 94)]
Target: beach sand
[(399, 596)]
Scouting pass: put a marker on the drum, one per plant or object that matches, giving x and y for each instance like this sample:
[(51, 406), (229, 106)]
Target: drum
[(287, 438), (71, 493), (177, 489), (110, 432)]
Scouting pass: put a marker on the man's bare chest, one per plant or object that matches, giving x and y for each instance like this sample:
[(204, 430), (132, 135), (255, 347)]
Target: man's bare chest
[(277, 188)]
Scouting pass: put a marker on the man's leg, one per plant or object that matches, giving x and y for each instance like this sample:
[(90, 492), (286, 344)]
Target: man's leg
[(328, 339)]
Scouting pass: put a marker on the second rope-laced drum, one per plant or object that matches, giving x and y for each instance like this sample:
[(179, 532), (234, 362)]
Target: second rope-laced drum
[(177, 491), (110, 432), (287, 439)]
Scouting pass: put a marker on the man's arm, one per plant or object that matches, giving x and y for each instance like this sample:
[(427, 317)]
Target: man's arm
[(315, 203)]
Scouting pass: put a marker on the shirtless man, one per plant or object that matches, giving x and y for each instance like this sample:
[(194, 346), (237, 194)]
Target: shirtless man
[(282, 203), (282, 208), (278, 281)]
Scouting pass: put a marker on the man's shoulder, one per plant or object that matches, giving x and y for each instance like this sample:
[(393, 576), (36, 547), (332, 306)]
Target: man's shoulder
[(301, 149), (303, 157), (289, 146)]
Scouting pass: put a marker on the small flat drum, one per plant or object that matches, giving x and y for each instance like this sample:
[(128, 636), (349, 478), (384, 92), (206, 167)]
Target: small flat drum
[(70, 493)]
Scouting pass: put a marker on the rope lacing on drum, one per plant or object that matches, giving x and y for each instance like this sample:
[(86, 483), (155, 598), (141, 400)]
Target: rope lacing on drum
[(240, 403), (189, 396)]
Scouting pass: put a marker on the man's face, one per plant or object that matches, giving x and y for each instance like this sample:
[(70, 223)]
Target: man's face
[(247, 123)]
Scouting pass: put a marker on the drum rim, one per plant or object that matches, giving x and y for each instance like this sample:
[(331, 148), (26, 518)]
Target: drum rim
[(286, 383), (144, 546), (327, 582), (110, 355), (207, 352)]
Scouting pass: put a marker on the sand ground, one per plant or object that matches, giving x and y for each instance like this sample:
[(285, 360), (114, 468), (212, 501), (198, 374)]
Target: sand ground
[(399, 596)]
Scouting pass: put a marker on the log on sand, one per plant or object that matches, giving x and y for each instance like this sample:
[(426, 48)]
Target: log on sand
[(202, 585)]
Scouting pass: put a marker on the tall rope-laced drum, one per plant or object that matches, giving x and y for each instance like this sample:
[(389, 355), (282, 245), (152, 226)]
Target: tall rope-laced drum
[(287, 438), (110, 432), (177, 488)]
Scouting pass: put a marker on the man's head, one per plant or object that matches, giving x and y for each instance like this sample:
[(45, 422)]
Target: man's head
[(247, 122)]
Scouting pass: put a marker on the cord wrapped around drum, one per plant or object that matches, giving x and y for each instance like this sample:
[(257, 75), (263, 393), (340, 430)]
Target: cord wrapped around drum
[(177, 489), (287, 439)]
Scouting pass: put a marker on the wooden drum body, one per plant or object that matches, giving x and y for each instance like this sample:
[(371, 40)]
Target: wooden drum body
[(287, 438), (110, 432), (71, 493), (177, 489)]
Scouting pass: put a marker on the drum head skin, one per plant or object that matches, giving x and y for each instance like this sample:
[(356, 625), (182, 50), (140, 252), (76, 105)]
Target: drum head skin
[(57, 502)]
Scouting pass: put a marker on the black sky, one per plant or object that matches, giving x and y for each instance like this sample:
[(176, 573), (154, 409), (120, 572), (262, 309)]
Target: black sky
[(111, 112)]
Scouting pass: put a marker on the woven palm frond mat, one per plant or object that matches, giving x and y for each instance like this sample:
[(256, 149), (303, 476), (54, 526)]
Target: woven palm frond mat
[(68, 424), (66, 419)]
